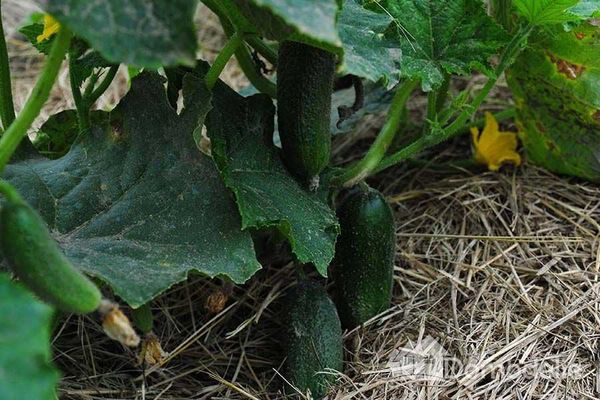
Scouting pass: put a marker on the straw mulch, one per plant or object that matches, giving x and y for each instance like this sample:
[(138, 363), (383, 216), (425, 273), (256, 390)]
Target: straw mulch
[(496, 276)]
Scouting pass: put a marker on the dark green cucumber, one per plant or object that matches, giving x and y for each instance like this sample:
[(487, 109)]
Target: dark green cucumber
[(312, 336), (143, 318), (38, 262), (364, 259), (304, 88)]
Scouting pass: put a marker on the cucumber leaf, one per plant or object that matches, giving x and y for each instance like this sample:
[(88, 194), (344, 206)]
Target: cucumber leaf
[(241, 131), (143, 33), (546, 12), (311, 21), (26, 370), (439, 37), (367, 52), (135, 203), (586, 9)]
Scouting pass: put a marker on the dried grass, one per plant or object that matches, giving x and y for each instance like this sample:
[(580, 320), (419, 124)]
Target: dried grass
[(501, 269)]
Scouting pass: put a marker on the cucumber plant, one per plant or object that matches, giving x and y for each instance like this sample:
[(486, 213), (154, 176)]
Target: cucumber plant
[(128, 186)]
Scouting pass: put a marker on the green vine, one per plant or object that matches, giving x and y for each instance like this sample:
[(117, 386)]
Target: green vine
[(18, 129)]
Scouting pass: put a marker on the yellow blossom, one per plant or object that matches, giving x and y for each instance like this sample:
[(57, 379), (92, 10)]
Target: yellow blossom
[(51, 27), (494, 148)]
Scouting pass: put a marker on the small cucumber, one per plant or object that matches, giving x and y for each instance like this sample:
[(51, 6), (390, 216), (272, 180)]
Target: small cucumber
[(312, 336), (304, 87), (38, 262), (364, 260)]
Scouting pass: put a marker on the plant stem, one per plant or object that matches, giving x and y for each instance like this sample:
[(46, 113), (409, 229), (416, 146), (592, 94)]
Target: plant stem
[(101, 88), (10, 193), (249, 68), (442, 94), (7, 109), (363, 168), (222, 59), (432, 102), (18, 129), (502, 12), (232, 21), (83, 110), (433, 138), (263, 49)]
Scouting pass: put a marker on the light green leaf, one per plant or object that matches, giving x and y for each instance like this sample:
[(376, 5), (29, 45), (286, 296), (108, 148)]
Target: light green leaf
[(440, 37), (144, 33), (367, 52), (26, 370), (546, 12), (241, 131), (311, 21), (586, 9), (135, 203)]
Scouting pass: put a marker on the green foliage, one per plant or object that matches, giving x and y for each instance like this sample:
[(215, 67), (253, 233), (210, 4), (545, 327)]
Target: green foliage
[(586, 9), (25, 358), (144, 33), (135, 203), (441, 37), (59, 132), (241, 131), (556, 84), (303, 20), (368, 53), (545, 12)]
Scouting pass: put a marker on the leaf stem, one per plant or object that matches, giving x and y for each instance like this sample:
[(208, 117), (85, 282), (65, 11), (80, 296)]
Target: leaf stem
[(222, 59), (263, 49), (103, 86), (18, 129), (364, 167), (83, 110), (436, 136), (233, 21), (10, 192), (7, 109)]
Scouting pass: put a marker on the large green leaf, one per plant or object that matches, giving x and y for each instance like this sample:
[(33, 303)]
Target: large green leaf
[(135, 203), (311, 21), (367, 51), (145, 33), (586, 9), (443, 36), (556, 85), (241, 131), (26, 371), (545, 12)]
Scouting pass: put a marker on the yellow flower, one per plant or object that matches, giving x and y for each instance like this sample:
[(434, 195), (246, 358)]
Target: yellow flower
[(494, 148), (51, 27)]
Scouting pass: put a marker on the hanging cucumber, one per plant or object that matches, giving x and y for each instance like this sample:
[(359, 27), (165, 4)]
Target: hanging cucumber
[(304, 88), (364, 260), (38, 262), (312, 339)]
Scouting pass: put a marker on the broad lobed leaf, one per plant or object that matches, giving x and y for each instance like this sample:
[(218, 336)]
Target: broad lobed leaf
[(546, 12), (241, 131), (135, 203), (145, 33), (439, 37), (368, 53), (26, 370)]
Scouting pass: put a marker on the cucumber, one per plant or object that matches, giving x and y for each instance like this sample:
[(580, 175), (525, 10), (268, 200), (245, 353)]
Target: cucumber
[(38, 262), (143, 318), (363, 266), (304, 87), (312, 337)]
